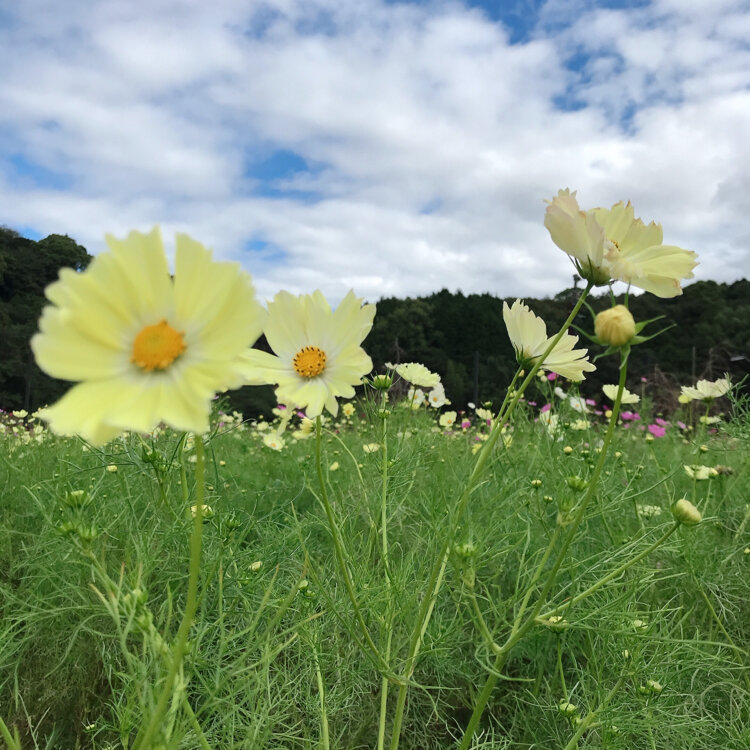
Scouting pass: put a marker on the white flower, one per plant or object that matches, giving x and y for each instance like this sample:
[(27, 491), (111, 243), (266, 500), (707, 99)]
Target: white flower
[(273, 441), (707, 390), (414, 398), (436, 397), (578, 404)]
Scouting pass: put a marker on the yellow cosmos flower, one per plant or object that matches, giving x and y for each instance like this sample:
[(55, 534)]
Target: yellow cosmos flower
[(610, 391), (417, 374), (528, 334), (146, 347), (318, 356), (707, 390), (610, 243)]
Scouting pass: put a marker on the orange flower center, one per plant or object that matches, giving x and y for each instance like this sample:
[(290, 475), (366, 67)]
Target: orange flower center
[(157, 346), (309, 361)]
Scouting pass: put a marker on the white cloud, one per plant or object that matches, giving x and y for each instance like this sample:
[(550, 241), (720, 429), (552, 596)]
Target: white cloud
[(434, 140)]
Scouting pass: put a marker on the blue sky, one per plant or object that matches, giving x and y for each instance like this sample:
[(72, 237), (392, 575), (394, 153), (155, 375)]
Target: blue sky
[(388, 146)]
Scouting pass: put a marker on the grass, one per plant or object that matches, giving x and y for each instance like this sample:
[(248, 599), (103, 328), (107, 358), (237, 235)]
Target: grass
[(276, 660)]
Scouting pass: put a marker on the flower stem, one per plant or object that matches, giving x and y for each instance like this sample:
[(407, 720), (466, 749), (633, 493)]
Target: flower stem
[(519, 629), (144, 737), (5, 733), (339, 551), (388, 618), (610, 576), (435, 579)]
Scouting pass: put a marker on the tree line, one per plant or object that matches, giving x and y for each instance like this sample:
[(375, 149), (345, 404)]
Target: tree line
[(462, 337)]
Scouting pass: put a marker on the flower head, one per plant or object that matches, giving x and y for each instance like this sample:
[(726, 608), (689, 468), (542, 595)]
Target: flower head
[(614, 326), (610, 243), (610, 391), (447, 419), (707, 390), (145, 347), (318, 356), (528, 334), (686, 513), (417, 374), (436, 397)]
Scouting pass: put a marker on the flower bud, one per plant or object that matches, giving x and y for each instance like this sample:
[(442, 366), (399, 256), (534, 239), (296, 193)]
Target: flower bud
[(566, 708), (382, 382), (614, 326), (685, 512)]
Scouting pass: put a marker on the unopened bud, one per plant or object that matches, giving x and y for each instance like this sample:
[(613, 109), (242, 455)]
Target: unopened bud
[(686, 513), (568, 709), (577, 483), (614, 326), (382, 382)]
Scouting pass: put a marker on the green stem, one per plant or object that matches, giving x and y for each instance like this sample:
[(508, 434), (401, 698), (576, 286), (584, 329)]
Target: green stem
[(435, 579), (518, 630), (144, 737), (339, 551), (560, 669), (388, 619), (610, 576), (9, 741), (588, 721), (718, 621), (325, 743)]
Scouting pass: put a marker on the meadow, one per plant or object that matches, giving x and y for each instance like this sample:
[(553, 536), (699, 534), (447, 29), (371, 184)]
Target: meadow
[(641, 639)]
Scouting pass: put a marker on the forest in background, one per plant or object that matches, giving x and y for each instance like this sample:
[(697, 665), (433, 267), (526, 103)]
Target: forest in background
[(462, 337)]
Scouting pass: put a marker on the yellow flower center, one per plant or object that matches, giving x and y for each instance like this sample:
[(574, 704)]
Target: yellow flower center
[(309, 361), (157, 346)]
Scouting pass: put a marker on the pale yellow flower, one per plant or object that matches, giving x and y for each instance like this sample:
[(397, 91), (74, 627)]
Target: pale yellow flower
[(707, 390), (273, 441), (417, 374), (610, 391), (318, 354), (371, 447), (147, 348), (447, 419), (528, 334), (610, 243), (348, 409), (700, 472), (614, 326)]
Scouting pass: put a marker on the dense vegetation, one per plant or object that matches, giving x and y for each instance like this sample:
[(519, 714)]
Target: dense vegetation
[(93, 569)]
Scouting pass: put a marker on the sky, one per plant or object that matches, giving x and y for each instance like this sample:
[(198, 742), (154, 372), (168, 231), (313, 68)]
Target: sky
[(394, 147)]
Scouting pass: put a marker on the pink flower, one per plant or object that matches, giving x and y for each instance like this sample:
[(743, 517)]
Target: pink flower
[(656, 430), (644, 379), (681, 425), (465, 424), (546, 407), (551, 376), (532, 403), (590, 402), (630, 416), (661, 422)]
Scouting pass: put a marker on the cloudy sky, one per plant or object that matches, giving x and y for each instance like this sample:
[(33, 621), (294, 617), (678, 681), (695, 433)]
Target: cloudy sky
[(394, 147)]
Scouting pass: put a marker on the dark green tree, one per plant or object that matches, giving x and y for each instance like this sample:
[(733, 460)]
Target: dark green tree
[(26, 268)]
